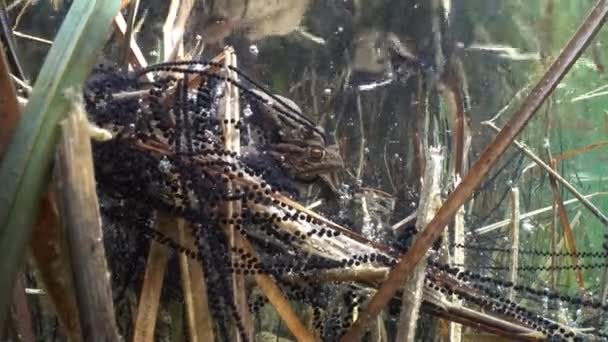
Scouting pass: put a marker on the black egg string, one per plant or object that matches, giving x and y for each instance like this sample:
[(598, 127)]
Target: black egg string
[(493, 301), (124, 274), (172, 134), (271, 229), (186, 120), (321, 232), (590, 266), (534, 252), (317, 320), (219, 256), (467, 275), (338, 321), (249, 264), (215, 261), (219, 297), (266, 225), (183, 175), (256, 303), (292, 113), (156, 67), (251, 196)]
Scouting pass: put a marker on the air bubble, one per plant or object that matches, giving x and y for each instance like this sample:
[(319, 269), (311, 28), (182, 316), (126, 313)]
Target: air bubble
[(253, 49)]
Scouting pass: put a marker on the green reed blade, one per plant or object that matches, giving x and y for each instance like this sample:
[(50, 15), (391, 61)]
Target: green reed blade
[(24, 172)]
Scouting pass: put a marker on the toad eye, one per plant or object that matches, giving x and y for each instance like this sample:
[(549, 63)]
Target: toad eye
[(316, 154)]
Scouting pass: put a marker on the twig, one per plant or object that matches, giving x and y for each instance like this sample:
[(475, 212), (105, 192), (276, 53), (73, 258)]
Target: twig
[(591, 94), (362, 142), (229, 114), (454, 80), (412, 290), (22, 318), (278, 300), (51, 258), (26, 87), (136, 57), (179, 28), (388, 169), (563, 217), (149, 297), (492, 227), (594, 210), (432, 304), (128, 36), (194, 285), (550, 265), (455, 329), (411, 217), (575, 152), (168, 28), (33, 38), (480, 169), (514, 239), (514, 98)]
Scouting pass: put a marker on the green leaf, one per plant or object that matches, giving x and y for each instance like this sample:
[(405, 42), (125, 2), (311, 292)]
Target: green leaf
[(24, 172)]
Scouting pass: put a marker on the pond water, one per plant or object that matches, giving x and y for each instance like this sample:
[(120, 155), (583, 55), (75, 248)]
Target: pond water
[(389, 81)]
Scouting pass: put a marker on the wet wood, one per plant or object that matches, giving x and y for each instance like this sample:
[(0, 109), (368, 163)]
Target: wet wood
[(194, 285), (455, 329), (21, 316), (149, 298), (514, 240), (412, 290), (135, 56), (480, 169), (50, 254), (229, 113), (278, 300), (565, 223), (80, 212)]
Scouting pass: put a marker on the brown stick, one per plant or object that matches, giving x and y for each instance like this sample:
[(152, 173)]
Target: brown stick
[(230, 115), (514, 239), (484, 322), (149, 297), (480, 169), (275, 296), (136, 57), (21, 312), (412, 290), (194, 285), (80, 210), (51, 258), (554, 175), (565, 223), (128, 34)]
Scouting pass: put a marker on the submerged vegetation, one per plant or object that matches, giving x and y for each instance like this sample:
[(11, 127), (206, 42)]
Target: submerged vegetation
[(314, 171)]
